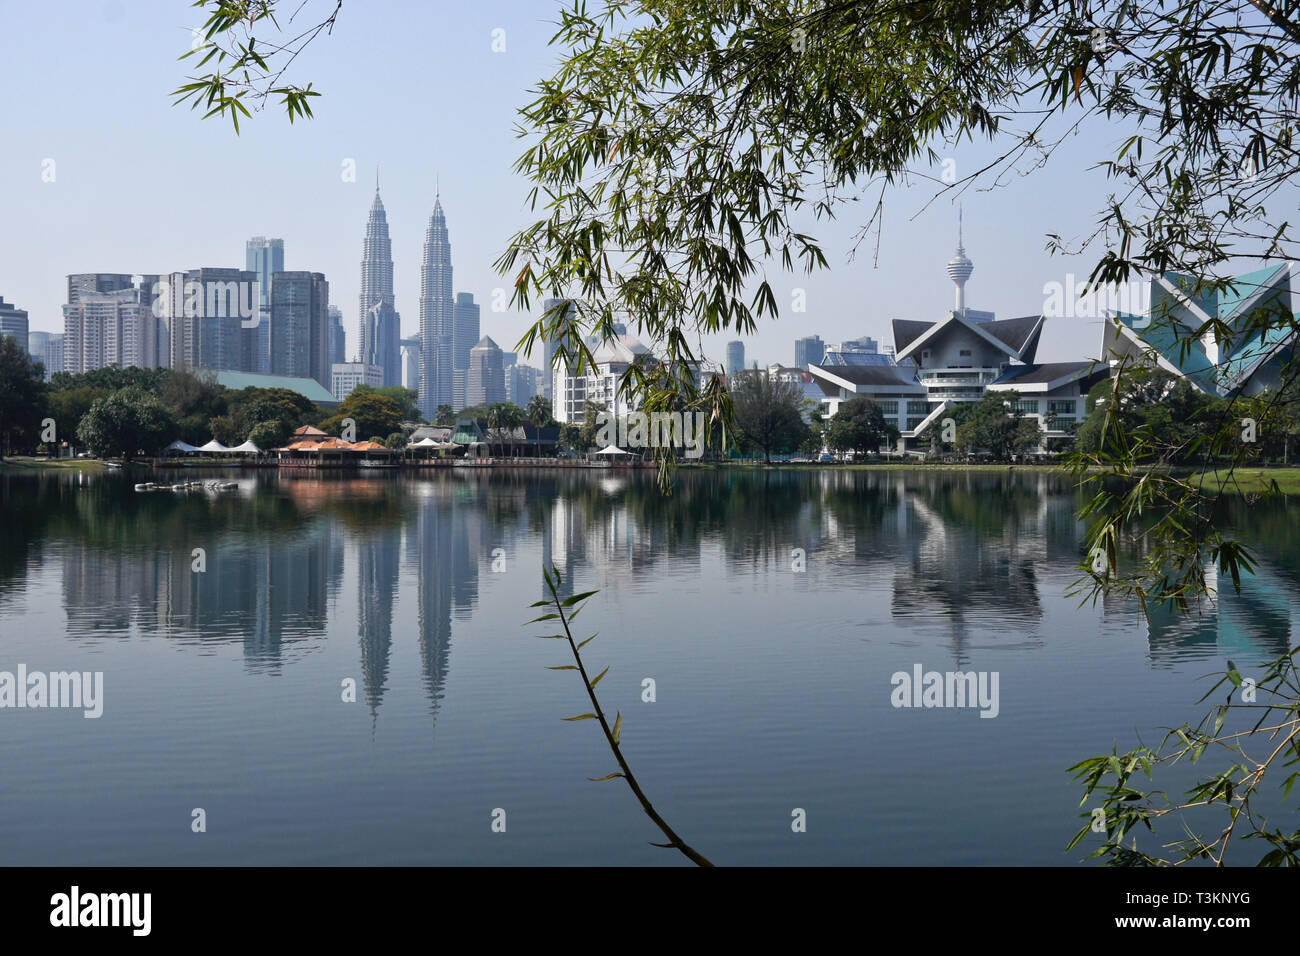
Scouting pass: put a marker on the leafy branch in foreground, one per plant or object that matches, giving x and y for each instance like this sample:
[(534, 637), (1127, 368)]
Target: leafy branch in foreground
[(612, 734), (1233, 790), (246, 72)]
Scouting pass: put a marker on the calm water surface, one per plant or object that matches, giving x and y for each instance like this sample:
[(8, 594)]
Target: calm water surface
[(223, 688)]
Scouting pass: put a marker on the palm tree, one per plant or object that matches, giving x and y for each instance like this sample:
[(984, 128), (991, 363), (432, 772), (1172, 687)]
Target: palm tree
[(539, 411)]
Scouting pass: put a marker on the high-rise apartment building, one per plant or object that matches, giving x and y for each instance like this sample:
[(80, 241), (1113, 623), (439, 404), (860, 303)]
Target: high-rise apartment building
[(119, 328), (809, 350), (300, 344), (93, 282), (211, 316), (338, 337), (264, 257), (735, 357), (13, 323), (46, 348), (464, 336)]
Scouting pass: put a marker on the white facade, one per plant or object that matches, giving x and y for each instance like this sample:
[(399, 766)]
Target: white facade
[(345, 376)]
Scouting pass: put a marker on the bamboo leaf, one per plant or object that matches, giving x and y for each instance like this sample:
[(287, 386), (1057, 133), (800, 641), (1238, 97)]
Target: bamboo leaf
[(607, 777), (618, 728), (581, 717)]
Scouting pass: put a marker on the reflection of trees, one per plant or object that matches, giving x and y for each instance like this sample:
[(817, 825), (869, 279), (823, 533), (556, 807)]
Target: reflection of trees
[(964, 552)]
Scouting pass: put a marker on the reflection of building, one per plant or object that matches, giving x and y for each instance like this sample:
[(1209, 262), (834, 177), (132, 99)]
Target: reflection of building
[(266, 592), (378, 565)]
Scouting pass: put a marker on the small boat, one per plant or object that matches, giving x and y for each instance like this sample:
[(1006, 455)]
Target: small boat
[(113, 464), (142, 487)]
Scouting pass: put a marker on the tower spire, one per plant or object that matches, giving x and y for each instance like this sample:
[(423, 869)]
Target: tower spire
[(376, 178), (959, 267)]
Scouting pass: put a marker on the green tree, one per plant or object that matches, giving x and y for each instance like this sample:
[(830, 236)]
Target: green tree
[(445, 415), (127, 423), (590, 428), (768, 413), (404, 397), (268, 434), (538, 411), (396, 441), (503, 419), (67, 406), (373, 414), (993, 425), (22, 397), (860, 426)]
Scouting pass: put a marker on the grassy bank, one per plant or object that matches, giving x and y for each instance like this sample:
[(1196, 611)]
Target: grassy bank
[(20, 463)]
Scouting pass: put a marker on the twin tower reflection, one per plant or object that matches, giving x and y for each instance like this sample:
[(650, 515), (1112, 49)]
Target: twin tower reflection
[(963, 553)]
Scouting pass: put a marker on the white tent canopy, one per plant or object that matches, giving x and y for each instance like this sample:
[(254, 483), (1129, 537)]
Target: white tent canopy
[(179, 445), (425, 442), (214, 446), (247, 446), (612, 450)]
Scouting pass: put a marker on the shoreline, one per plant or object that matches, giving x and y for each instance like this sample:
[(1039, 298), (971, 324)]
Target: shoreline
[(1250, 480)]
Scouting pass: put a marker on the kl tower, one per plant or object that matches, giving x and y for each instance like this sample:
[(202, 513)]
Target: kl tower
[(960, 268)]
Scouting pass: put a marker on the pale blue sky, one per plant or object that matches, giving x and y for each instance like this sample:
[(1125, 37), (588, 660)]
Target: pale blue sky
[(142, 186)]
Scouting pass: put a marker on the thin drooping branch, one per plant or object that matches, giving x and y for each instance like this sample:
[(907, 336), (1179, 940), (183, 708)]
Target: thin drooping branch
[(612, 734)]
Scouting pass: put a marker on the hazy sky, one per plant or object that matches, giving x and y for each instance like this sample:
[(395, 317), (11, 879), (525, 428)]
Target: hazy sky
[(415, 87)]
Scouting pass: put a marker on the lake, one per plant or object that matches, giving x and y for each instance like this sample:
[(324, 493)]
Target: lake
[(769, 609)]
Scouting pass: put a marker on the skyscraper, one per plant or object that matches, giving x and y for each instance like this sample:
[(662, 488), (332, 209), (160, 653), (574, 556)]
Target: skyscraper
[(91, 282), (114, 328), (735, 357), (809, 350), (46, 348), (13, 322), (485, 381), (264, 257), (338, 337), (208, 318), (464, 336), (378, 321), (411, 364), (300, 326), (436, 317)]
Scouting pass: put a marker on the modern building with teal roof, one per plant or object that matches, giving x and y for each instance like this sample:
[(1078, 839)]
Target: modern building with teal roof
[(1254, 318)]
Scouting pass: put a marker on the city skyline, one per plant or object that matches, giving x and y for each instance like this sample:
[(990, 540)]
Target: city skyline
[(308, 183)]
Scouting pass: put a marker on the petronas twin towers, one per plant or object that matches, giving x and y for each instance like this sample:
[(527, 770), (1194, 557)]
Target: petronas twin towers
[(380, 323), (437, 315)]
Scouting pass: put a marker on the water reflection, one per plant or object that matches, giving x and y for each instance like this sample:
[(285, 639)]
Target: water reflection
[(965, 555)]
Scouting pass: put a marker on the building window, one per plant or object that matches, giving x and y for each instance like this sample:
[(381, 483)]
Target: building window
[(1066, 407), (964, 353), (1025, 406), (918, 408), (889, 408), (925, 354)]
